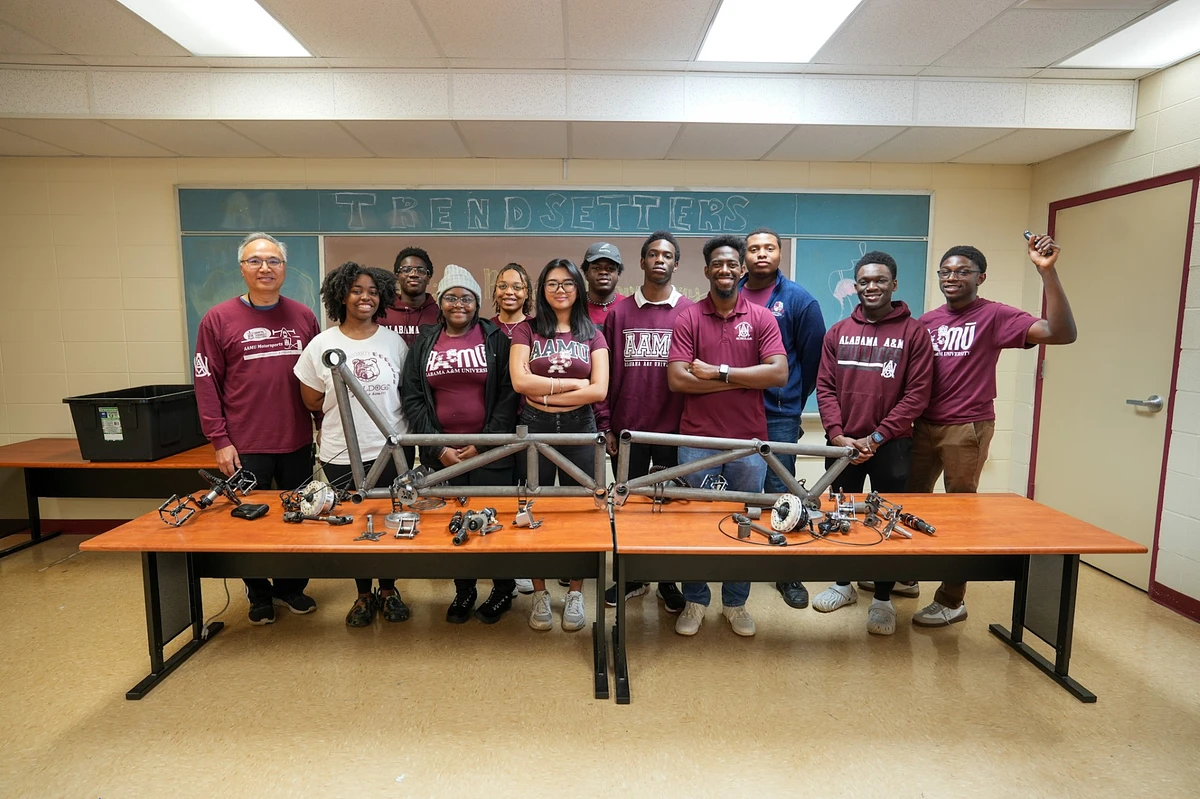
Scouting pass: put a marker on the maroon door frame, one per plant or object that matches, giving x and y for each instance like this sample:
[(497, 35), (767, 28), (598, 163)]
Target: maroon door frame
[(1181, 603)]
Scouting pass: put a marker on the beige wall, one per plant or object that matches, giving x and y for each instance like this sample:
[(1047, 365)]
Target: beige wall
[(1166, 139), (90, 261)]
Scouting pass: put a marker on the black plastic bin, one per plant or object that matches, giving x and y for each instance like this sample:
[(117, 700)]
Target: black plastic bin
[(144, 423)]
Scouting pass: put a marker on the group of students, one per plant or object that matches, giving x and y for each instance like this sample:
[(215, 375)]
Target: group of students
[(571, 355)]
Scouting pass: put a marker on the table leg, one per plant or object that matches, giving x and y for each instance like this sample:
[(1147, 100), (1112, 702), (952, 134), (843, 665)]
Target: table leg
[(156, 584), (1059, 670), (620, 666), (36, 536), (599, 646)]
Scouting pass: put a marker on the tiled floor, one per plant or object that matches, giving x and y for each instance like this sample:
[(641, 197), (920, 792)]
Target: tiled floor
[(810, 707)]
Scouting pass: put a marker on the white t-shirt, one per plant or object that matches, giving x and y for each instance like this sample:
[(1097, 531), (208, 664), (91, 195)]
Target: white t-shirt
[(377, 363)]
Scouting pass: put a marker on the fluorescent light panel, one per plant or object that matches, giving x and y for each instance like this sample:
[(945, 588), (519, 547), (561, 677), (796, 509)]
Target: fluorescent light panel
[(1165, 37), (773, 31), (227, 28)]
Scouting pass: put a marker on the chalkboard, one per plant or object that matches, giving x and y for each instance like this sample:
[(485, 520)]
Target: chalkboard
[(211, 275), (826, 268)]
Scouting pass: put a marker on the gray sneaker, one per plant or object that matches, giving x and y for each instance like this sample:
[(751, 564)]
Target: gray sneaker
[(540, 618), (935, 614), (574, 615), (524, 586)]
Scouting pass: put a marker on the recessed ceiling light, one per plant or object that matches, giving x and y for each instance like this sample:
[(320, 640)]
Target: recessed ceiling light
[(1165, 37), (232, 28), (774, 31)]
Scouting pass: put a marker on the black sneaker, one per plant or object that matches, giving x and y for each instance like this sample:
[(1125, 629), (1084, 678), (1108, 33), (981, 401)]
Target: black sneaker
[(363, 611), (298, 603), (262, 612), (496, 605), (394, 608), (794, 594), (631, 590), (671, 597), (460, 609)]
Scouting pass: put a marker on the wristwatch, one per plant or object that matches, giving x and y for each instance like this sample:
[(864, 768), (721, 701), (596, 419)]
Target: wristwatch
[(723, 371), (877, 438)]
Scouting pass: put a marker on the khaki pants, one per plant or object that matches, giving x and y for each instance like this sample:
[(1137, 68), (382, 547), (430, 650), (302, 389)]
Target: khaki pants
[(957, 451)]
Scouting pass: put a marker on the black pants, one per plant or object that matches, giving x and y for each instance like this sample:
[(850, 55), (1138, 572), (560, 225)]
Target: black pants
[(339, 473), (499, 473), (580, 420), (888, 470), (286, 471)]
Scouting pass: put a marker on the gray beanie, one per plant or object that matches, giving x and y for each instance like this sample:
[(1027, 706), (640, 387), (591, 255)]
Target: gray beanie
[(456, 277)]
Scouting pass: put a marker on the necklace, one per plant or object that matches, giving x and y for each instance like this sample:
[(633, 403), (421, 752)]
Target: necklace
[(615, 297), (507, 327)]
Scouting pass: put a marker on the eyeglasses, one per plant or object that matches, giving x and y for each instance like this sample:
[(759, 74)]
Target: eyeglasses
[(946, 274), (567, 286), (466, 301), (256, 262), (502, 287), (412, 270)]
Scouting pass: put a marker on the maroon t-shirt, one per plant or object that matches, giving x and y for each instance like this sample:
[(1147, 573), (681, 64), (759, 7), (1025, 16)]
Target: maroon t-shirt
[(746, 337), (246, 391), (598, 313), (457, 374), (507, 328), (407, 321), (561, 356), (758, 296), (966, 347)]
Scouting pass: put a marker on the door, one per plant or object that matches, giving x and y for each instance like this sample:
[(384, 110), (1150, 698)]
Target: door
[(1098, 458)]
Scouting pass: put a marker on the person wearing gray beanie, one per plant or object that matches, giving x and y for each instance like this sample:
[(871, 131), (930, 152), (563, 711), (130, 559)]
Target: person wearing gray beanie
[(455, 277)]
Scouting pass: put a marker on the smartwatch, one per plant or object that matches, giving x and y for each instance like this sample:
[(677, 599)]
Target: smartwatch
[(723, 371), (877, 438)]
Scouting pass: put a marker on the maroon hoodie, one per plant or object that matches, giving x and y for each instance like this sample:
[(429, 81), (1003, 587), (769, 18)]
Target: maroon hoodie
[(874, 376), (408, 321)]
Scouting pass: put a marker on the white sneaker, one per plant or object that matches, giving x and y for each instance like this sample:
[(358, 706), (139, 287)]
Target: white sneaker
[(690, 619), (540, 617), (740, 619), (834, 597), (524, 586), (936, 614), (881, 618), (574, 616), (899, 589)]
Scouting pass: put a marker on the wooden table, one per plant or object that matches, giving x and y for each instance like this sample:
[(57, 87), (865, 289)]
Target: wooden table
[(54, 468), (979, 537), (574, 539)]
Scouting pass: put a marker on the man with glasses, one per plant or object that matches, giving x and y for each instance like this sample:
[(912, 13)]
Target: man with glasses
[(414, 305), (249, 398), (968, 334), (601, 267), (801, 326), (725, 351)]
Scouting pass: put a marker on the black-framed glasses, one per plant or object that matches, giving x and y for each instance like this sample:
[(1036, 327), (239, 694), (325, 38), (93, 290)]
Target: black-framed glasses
[(946, 274), (567, 286), (255, 262)]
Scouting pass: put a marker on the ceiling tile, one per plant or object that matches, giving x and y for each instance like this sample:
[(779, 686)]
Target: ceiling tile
[(910, 32), (859, 69), (1075, 73), (648, 98), (409, 139), (15, 41), (12, 143), (301, 139), (127, 93), (932, 145), (356, 28), (87, 137), (142, 61), (515, 139), (622, 140), (984, 103), (1080, 105), (480, 95), (391, 95), (397, 61), (728, 98), (831, 142), (978, 72), (1034, 38), (197, 138), (671, 30), (76, 27), (702, 141), (44, 91), (1031, 146), (272, 95), (861, 100), (522, 26)]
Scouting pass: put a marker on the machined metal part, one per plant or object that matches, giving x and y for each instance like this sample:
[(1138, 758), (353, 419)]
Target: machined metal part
[(774, 538), (176, 511), (524, 516)]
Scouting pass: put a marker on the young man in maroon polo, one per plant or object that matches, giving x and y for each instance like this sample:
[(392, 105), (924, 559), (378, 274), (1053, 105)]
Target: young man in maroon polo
[(725, 351), (968, 334), (602, 266), (249, 398), (638, 333)]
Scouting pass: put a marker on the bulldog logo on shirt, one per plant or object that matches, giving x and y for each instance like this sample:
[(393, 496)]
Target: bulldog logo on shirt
[(745, 331), (559, 363), (366, 368)]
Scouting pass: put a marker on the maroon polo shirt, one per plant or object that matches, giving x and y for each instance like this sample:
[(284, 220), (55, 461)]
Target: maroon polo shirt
[(746, 337)]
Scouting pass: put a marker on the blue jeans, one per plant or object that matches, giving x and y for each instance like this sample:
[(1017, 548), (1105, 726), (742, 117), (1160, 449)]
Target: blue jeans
[(785, 429), (744, 474)]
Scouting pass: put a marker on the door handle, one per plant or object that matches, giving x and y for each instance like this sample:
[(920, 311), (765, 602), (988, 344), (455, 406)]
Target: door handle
[(1153, 403)]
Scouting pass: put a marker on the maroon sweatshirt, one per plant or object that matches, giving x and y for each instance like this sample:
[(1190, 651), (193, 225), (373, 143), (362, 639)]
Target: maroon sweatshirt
[(874, 376), (407, 321), (246, 391)]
